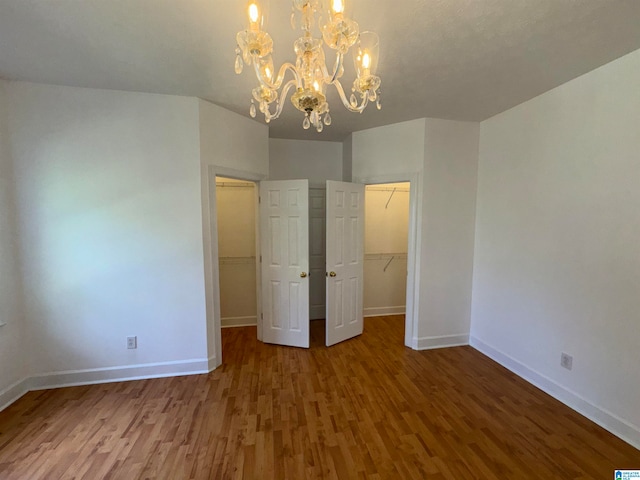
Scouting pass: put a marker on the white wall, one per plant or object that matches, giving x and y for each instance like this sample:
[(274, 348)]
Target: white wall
[(389, 150), (231, 141), (557, 262), (347, 159), (448, 225), (108, 195), (305, 159), (395, 153), (11, 316), (443, 155), (233, 146)]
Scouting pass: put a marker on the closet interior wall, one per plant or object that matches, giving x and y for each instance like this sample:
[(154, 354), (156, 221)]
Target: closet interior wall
[(236, 206), (317, 253), (386, 243)]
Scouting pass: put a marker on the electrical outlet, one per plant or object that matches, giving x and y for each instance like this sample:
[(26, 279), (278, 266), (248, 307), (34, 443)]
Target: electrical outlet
[(132, 343), (566, 361)]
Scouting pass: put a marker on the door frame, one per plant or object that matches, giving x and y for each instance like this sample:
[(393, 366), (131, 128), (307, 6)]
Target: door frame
[(211, 261), (413, 249), (212, 268)]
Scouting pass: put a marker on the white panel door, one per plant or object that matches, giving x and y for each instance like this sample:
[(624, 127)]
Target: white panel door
[(284, 242), (345, 261)]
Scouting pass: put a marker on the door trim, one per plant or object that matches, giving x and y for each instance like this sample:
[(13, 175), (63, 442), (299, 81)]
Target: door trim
[(210, 252), (413, 248)]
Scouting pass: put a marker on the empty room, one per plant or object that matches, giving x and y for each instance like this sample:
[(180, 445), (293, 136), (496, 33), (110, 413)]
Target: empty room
[(319, 239)]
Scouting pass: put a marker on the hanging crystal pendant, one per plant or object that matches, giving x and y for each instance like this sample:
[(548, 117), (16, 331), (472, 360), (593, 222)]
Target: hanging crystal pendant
[(252, 110), (306, 123), (378, 102), (354, 100), (327, 119), (239, 64), (320, 127)]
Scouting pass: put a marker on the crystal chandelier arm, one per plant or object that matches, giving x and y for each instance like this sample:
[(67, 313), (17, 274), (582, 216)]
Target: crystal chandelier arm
[(352, 108), (265, 82), (336, 69), (280, 101)]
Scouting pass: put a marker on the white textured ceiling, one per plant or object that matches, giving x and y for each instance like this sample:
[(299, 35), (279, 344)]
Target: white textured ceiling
[(452, 59)]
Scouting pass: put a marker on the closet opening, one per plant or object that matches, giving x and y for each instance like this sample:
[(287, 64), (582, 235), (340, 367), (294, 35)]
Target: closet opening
[(236, 225), (317, 264), (385, 254)]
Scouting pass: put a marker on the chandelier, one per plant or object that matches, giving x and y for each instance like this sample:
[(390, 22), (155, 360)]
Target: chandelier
[(310, 75)]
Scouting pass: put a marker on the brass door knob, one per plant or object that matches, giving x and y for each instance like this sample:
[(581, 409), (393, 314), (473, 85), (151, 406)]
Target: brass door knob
[(332, 274), (303, 275)]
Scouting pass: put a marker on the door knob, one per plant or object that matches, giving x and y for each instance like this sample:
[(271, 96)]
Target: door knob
[(303, 274), (332, 274)]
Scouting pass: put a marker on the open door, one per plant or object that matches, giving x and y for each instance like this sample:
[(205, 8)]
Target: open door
[(345, 261), (284, 242)]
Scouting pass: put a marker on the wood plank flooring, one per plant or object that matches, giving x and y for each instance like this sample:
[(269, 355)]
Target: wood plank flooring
[(366, 408)]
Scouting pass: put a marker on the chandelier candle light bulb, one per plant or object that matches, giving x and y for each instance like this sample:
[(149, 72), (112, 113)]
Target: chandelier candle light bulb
[(309, 75), (338, 7), (253, 17), (366, 64)]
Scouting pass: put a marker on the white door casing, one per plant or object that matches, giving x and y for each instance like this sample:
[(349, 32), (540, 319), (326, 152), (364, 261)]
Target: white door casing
[(411, 338), (345, 261), (284, 240)]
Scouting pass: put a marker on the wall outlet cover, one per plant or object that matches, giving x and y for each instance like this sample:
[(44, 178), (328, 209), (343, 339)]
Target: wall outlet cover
[(566, 361)]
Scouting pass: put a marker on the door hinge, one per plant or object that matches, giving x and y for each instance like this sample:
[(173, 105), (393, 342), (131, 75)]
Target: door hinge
[(260, 258), (259, 199), (261, 316)]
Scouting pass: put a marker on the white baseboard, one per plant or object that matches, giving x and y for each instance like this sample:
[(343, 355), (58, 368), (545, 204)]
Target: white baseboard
[(94, 376), (118, 374), (12, 393), (381, 311), (317, 312), (227, 322), (619, 427), (212, 363), (442, 341)]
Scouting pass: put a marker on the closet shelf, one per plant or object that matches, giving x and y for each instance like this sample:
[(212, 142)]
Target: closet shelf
[(237, 260), (385, 256), (235, 185)]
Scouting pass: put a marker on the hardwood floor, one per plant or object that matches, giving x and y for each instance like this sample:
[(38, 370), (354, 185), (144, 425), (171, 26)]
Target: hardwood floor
[(366, 408)]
